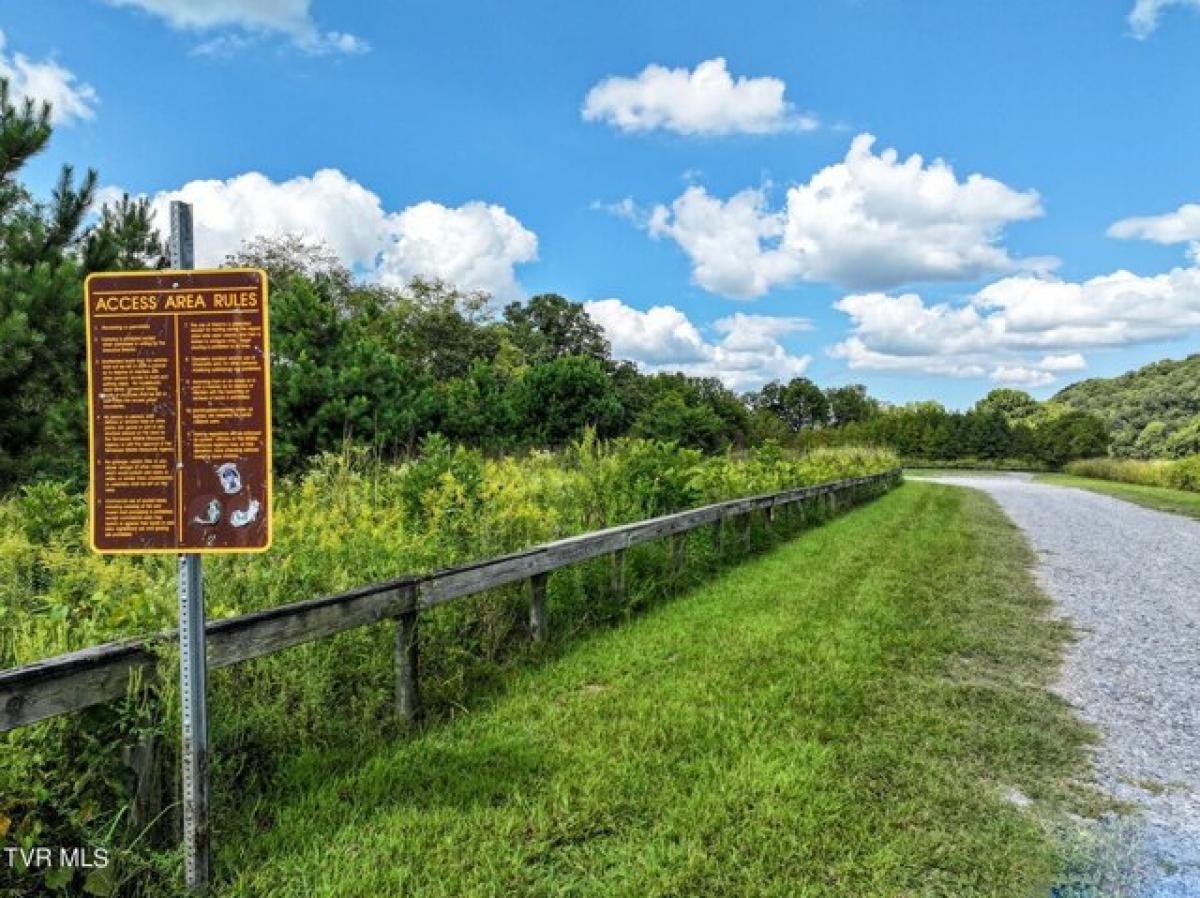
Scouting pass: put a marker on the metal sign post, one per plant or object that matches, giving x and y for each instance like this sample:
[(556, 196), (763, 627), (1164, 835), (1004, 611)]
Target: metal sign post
[(193, 661), (179, 449)]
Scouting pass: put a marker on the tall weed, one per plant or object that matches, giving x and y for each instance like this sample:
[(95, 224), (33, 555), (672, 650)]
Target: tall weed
[(346, 522)]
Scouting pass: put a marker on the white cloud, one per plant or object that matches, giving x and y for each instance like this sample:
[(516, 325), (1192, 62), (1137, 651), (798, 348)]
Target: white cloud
[(292, 18), (1021, 376), (47, 81), (1068, 361), (1115, 309), (1180, 226), (1006, 326), (707, 100), (1040, 373), (746, 354), (871, 221), (475, 246), (1143, 18)]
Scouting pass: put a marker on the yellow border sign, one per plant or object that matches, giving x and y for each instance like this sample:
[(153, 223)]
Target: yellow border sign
[(179, 411)]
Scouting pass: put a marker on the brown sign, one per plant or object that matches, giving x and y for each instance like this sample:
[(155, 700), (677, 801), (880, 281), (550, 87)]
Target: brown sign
[(179, 408)]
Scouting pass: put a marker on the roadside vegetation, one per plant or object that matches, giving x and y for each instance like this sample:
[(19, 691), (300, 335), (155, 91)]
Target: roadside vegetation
[(346, 521), (863, 711), (1161, 484), (1005, 429), (1159, 498), (1181, 474)]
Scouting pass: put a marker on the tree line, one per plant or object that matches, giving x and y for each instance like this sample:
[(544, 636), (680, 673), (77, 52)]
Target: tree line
[(384, 367), (1007, 426)]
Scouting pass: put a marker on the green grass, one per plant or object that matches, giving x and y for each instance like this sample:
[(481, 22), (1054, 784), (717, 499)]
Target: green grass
[(925, 471), (840, 716), (1160, 498), (971, 465)]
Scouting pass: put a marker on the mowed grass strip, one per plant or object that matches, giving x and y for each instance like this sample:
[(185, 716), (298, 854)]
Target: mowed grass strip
[(842, 716), (1160, 498)]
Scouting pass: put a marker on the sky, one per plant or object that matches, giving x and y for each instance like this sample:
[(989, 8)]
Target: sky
[(930, 197)]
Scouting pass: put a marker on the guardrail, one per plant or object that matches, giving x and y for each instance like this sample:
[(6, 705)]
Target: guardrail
[(78, 680)]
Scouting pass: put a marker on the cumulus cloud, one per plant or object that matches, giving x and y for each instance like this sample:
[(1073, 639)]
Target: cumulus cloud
[(1038, 374), (1021, 329), (745, 354), (1180, 226), (475, 246), (1145, 14), (1067, 361), (46, 81), (704, 101), (292, 18), (871, 221), (1021, 376)]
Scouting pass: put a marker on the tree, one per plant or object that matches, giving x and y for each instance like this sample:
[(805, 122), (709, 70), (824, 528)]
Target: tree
[(850, 404), (548, 327), (672, 420), (437, 328), (799, 404), (1071, 436), (991, 434), (478, 409), (291, 255), (559, 398), (42, 264), (126, 238), (1152, 440), (336, 375), (1185, 441), (1016, 406)]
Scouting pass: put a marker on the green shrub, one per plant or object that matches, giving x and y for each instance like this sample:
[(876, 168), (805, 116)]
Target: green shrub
[(1183, 474)]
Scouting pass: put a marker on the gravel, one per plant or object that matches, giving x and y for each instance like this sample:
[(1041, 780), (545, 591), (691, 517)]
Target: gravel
[(1129, 580)]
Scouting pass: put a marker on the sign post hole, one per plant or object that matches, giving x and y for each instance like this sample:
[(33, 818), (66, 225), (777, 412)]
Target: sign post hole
[(179, 414)]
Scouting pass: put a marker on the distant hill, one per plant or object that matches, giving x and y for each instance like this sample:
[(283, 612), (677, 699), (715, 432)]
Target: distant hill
[(1154, 412)]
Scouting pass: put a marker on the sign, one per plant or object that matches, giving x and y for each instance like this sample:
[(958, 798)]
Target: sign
[(179, 411)]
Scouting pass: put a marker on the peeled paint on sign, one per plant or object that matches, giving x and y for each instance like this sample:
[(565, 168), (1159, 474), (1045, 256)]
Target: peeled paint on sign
[(179, 411)]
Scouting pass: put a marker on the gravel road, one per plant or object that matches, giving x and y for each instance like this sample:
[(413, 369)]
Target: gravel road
[(1129, 579)]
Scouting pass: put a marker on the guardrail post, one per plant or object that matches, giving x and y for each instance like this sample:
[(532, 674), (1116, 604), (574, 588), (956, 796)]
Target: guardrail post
[(146, 759), (408, 663), (616, 575), (718, 538), (678, 548), (537, 606)]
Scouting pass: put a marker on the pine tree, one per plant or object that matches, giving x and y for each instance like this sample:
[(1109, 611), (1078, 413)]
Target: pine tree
[(45, 252)]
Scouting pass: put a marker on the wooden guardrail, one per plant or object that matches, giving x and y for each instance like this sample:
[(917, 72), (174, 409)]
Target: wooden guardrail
[(77, 680)]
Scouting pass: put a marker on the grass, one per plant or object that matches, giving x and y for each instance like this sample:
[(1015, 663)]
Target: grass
[(1160, 498), (843, 715), (969, 465)]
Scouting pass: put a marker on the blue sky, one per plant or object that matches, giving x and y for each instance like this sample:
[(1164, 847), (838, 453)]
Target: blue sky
[(687, 168)]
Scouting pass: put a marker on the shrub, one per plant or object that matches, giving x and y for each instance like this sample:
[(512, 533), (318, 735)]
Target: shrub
[(1183, 474)]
